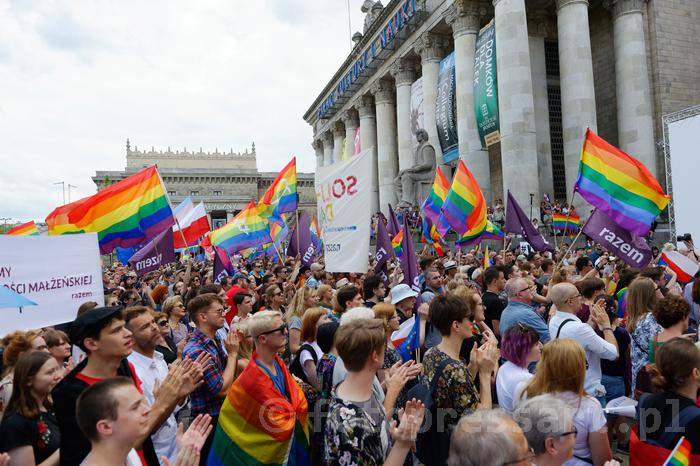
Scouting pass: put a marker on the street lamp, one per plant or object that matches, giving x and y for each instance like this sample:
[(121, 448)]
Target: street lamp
[(63, 189), (70, 186)]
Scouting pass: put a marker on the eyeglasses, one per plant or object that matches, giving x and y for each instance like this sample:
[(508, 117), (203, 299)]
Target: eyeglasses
[(221, 311), (575, 296), (282, 329), (526, 289), (162, 323), (573, 431), (531, 454)]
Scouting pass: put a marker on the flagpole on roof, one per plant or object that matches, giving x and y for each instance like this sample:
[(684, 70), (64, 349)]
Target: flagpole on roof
[(172, 211)]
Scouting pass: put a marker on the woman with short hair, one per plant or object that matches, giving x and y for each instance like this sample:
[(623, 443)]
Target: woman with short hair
[(174, 309), (387, 313), (520, 347), (58, 344)]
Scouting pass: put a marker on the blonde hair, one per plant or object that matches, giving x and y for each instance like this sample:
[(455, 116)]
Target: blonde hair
[(562, 368), (261, 322), (309, 321), (469, 296), (385, 312), (170, 303), (560, 275), (641, 299), (245, 350), (297, 306), (323, 289)]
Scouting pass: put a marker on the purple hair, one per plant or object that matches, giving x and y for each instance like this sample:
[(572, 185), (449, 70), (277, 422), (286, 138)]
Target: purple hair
[(517, 342)]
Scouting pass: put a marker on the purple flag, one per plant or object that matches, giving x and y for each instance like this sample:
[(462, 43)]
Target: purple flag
[(301, 245), (632, 249), (291, 250), (159, 251), (383, 252), (222, 265), (409, 261), (393, 225), (518, 223)]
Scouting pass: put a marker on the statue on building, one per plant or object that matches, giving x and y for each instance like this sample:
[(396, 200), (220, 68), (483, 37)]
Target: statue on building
[(372, 10), (407, 182)]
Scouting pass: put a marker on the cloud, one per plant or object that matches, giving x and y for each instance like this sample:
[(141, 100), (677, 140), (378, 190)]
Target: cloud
[(78, 78)]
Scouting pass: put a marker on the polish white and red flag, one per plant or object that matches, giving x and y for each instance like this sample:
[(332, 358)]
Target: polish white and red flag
[(685, 268), (194, 224)]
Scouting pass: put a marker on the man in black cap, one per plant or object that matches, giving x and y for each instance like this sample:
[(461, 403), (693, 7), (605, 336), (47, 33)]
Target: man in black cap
[(102, 334)]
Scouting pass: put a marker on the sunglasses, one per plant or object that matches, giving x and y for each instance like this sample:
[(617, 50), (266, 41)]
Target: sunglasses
[(116, 303), (162, 323), (282, 328)]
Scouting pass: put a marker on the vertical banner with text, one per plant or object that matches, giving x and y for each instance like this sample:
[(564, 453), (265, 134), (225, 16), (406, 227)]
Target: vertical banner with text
[(343, 194), (446, 109), (486, 86)]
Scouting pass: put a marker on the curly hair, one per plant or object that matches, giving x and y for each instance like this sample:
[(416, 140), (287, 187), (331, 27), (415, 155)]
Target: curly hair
[(671, 310)]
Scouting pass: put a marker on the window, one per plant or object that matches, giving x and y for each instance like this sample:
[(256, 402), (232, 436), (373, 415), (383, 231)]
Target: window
[(171, 193), (217, 193), (194, 193)]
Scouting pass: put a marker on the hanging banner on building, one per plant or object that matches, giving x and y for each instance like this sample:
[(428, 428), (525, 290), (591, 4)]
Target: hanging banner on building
[(446, 109), (486, 86), (58, 273), (343, 193), (417, 119)]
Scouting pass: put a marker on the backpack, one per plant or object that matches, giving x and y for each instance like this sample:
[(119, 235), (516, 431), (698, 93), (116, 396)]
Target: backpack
[(432, 445), (296, 368)]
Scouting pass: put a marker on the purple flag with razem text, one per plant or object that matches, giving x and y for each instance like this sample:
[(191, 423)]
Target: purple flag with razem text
[(292, 250), (517, 222), (159, 251), (393, 226), (383, 251), (409, 261), (631, 249), (307, 252), (222, 265)]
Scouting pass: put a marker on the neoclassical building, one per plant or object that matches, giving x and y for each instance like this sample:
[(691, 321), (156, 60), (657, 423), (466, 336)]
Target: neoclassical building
[(225, 181), (616, 66)]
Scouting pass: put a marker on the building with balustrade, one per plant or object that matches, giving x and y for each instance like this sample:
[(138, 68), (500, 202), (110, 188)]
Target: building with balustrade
[(615, 66)]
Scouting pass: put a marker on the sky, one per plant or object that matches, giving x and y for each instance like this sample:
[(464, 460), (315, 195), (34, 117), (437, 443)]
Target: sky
[(79, 77)]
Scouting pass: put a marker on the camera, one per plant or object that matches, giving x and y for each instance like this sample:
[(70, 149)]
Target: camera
[(685, 237)]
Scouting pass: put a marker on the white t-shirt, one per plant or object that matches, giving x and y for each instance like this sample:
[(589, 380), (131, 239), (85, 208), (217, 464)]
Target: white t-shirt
[(508, 378), (306, 356)]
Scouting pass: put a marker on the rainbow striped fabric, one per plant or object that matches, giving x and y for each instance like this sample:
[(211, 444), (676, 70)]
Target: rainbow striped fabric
[(124, 214), (397, 244), (564, 222), (619, 185), (281, 196), (25, 229), (316, 235), (431, 212), (247, 229), (464, 208), (680, 456), (476, 235), (278, 229), (260, 426)]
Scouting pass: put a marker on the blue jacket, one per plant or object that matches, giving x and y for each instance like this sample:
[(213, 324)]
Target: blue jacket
[(518, 312)]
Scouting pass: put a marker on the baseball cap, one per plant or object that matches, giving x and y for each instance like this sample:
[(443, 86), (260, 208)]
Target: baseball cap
[(450, 265), (91, 321), (401, 292)]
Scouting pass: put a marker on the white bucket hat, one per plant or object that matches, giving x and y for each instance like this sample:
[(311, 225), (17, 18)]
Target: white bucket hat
[(401, 292)]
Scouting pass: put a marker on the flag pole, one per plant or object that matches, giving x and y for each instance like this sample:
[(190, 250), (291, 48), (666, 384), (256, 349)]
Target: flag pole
[(279, 256), (172, 211), (296, 230)]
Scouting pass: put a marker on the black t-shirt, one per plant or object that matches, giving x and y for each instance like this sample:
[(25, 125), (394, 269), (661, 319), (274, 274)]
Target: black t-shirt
[(668, 405), (493, 307), (40, 432), (617, 368)]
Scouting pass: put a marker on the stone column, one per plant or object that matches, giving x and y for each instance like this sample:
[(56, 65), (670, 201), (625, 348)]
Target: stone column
[(404, 74), (368, 141), (318, 148), (351, 123), (387, 157), (515, 102), (430, 46), (327, 148), (537, 30), (635, 126), (576, 80), (338, 135), (465, 20)]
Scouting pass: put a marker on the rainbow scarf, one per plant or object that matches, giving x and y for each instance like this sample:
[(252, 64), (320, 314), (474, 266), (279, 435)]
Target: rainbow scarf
[(619, 185), (25, 229), (124, 214), (397, 244), (260, 426), (281, 196), (464, 209), (564, 222), (247, 229)]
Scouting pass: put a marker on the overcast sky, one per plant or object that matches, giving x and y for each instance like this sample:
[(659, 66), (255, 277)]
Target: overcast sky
[(79, 77)]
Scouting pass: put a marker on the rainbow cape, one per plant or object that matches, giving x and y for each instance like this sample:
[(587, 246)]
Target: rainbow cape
[(680, 456), (561, 222), (25, 229), (258, 425), (397, 244), (431, 212), (124, 214), (281, 196), (247, 229), (464, 209), (619, 185)]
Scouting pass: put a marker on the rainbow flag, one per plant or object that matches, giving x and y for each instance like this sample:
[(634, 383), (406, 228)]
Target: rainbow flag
[(562, 222), (619, 185), (476, 235), (278, 229), (258, 425), (124, 214), (316, 235), (281, 196), (25, 229), (431, 212), (680, 456), (464, 209), (247, 229), (397, 243)]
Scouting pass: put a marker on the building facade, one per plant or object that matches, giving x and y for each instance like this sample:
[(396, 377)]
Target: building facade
[(614, 66), (225, 181)]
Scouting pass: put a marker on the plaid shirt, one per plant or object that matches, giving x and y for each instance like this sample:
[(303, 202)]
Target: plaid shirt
[(205, 399)]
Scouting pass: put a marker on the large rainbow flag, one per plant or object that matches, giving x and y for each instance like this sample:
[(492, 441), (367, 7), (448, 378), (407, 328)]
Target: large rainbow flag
[(619, 185), (564, 222), (431, 211), (464, 209), (25, 229), (247, 229), (258, 425), (476, 235), (281, 196), (124, 214)]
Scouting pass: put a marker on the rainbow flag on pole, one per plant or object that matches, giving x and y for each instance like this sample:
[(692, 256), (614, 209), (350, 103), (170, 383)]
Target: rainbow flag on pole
[(562, 222), (476, 235), (247, 229), (124, 214), (281, 196), (25, 229), (397, 244), (680, 456), (619, 185), (464, 209), (431, 211)]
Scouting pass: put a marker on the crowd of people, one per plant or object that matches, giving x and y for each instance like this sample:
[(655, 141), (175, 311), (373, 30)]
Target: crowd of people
[(514, 365)]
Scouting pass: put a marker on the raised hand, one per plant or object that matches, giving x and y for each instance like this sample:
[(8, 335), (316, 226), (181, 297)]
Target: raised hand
[(232, 343), (196, 434), (410, 419), (487, 356), (188, 456)]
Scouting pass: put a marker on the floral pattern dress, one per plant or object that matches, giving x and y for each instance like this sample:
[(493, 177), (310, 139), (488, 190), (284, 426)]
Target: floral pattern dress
[(455, 391), (40, 432), (647, 328)]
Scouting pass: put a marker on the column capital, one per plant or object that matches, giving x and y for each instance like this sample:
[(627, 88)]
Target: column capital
[(338, 128), (431, 47), (327, 138), (464, 17), (623, 7), (383, 91), (317, 144), (365, 106), (403, 72), (537, 23), (349, 118), (564, 3)]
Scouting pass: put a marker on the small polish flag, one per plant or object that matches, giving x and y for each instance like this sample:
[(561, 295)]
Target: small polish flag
[(685, 268)]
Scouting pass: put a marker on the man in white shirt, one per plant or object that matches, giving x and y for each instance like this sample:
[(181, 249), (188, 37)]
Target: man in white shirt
[(565, 324)]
